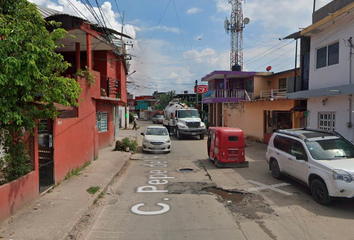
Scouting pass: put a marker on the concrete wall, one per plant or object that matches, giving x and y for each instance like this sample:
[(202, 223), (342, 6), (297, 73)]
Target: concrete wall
[(249, 116), (338, 74), (74, 138), (18, 193), (339, 105)]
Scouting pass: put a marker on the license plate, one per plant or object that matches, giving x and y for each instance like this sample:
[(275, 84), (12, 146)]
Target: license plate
[(193, 133)]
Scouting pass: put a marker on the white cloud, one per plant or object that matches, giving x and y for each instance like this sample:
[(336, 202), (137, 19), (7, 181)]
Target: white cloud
[(207, 59), (223, 6), (194, 10)]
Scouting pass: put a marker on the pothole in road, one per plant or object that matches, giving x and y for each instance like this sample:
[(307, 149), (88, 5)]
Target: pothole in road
[(186, 170), (229, 197), (243, 205)]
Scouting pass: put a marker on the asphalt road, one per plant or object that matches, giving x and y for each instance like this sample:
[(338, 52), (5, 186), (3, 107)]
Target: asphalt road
[(181, 195)]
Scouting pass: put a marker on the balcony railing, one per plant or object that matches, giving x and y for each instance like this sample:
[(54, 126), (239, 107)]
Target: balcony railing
[(231, 93), (273, 93), (110, 87)]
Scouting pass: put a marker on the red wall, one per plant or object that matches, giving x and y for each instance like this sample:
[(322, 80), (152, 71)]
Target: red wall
[(74, 138), (18, 193)]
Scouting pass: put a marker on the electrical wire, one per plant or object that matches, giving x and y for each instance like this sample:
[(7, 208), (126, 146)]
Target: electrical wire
[(157, 25)]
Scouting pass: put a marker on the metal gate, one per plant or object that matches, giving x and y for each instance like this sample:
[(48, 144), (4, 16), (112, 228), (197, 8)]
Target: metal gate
[(45, 155)]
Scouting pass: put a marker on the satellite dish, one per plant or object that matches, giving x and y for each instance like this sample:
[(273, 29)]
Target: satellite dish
[(246, 20)]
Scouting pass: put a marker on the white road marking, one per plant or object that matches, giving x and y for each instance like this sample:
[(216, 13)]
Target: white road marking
[(153, 157), (273, 187)]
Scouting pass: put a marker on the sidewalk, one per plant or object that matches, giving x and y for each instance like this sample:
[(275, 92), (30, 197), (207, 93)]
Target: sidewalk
[(54, 214)]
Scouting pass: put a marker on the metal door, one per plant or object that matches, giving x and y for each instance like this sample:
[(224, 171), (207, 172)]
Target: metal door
[(45, 154)]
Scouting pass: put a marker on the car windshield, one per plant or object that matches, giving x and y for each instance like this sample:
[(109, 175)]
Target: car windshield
[(330, 149), (159, 116), (188, 114), (156, 131)]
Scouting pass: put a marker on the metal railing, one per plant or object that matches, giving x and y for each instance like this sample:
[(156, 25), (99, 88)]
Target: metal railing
[(230, 93), (110, 87), (273, 93)]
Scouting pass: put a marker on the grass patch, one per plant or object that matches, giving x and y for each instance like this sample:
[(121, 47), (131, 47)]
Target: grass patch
[(93, 190), (76, 171), (101, 195)]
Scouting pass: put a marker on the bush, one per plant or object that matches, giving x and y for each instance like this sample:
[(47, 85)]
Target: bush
[(126, 145), (131, 117)]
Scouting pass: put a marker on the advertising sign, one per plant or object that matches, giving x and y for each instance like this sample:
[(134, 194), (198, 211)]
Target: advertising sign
[(202, 89)]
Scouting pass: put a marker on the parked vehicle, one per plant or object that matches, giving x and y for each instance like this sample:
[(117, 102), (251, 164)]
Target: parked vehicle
[(183, 120), (226, 147), (158, 119), (321, 160), (156, 139)]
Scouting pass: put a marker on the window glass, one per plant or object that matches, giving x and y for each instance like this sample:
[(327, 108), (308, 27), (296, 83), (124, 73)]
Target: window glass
[(282, 143), (333, 54), (297, 150), (157, 131), (327, 120), (330, 149), (102, 121), (233, 138), (282, 83), (321, 57)]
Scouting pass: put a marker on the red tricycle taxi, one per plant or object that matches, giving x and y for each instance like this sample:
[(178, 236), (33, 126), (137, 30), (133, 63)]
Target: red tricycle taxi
[(226, 147)]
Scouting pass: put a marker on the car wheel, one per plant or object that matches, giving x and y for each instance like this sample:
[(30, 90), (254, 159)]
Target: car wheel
[(178, 134), (274, 167), (201, 136), (319, 192), (216, 163)]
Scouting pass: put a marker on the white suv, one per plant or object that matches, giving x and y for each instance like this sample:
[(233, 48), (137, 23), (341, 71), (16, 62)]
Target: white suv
[(322, 160)]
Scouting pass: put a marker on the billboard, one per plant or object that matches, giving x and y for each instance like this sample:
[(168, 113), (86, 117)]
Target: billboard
[(201, 89)]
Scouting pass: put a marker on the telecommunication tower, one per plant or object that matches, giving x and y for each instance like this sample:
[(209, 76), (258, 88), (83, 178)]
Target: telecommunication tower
[(235, 28)]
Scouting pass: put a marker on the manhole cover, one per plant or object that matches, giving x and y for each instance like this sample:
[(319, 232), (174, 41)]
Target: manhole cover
[(186, 170)]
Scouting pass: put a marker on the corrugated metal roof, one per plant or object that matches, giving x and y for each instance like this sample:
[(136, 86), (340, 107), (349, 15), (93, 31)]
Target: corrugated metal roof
[(47, 12)]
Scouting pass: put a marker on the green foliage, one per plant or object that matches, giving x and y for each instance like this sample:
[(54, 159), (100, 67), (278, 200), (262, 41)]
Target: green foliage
[(16, 162), (30, 70), (93, 190), (131, 117), (90, 78), (125, 144), (76, 171), (164, 100)]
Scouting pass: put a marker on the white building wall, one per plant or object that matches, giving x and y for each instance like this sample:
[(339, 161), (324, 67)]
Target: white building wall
[(337, 104), (335, 75)]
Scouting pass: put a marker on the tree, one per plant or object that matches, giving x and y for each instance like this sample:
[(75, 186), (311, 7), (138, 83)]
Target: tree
[(164, 99), (30, 69), (30, 79)]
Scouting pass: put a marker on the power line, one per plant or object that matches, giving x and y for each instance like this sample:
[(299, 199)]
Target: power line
[(157, 25)]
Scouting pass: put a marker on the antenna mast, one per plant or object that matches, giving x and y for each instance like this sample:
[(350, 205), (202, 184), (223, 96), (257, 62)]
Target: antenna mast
[(235, 27)]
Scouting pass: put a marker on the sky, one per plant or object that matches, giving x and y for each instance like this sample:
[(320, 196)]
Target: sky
[(176, 42)]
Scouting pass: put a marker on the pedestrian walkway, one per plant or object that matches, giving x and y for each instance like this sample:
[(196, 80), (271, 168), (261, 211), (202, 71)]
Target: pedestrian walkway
[(54, 214)]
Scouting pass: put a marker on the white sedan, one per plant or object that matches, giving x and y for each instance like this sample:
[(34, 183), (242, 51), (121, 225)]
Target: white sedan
[(156, 139)]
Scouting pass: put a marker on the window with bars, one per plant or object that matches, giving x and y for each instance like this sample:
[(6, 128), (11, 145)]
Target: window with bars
[(327, 56), (102, 121), (327, 120)]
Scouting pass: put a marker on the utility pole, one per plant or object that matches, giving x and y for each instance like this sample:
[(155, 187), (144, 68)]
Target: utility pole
[(196, 92)]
